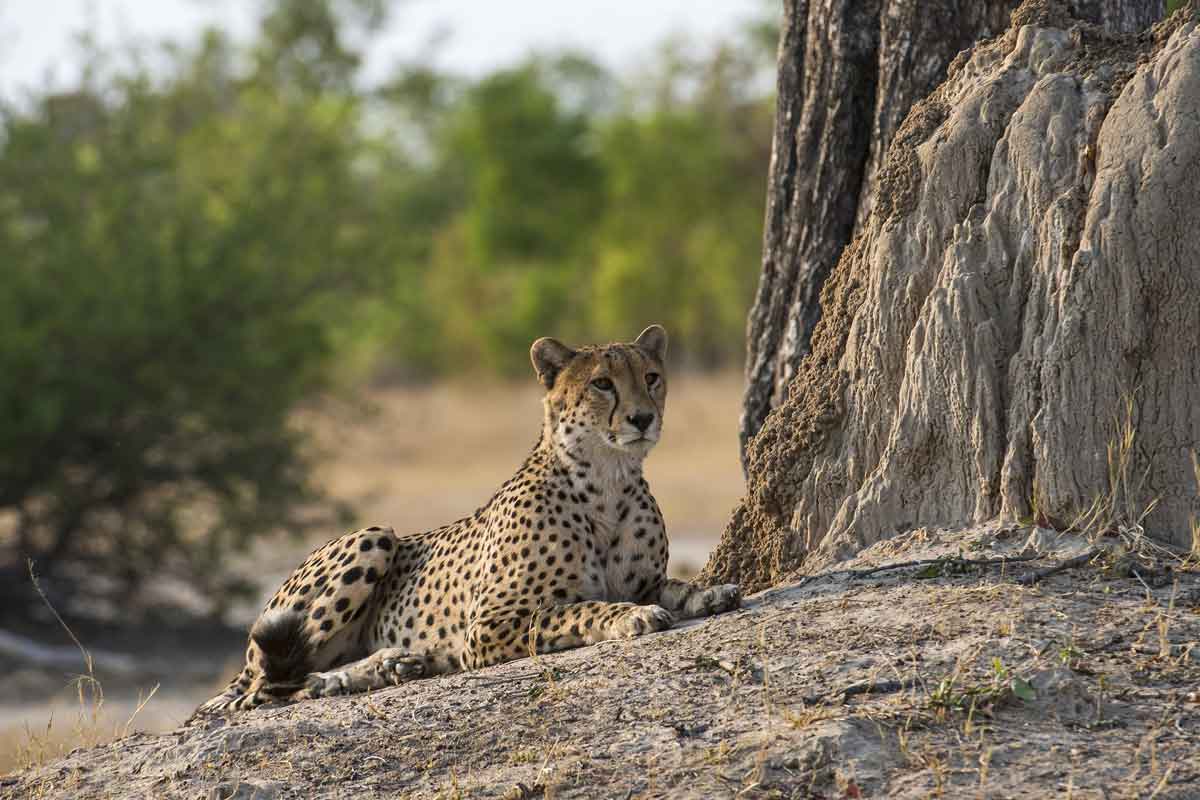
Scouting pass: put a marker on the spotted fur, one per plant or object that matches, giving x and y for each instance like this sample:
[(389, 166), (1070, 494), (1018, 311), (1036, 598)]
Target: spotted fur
[(569, 552)]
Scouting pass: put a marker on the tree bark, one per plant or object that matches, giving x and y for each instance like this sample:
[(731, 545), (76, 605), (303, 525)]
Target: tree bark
[(849, 72), (1011, 330)]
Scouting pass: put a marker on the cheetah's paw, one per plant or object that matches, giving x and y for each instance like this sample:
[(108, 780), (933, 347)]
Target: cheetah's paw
[(400, 668), (716, 600), (643, 620)]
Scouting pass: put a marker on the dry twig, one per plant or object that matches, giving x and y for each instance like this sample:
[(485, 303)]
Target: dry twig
[(863, 687), (1062, 566)]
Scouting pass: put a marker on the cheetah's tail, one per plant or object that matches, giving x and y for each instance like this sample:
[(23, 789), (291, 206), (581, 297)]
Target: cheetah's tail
[(285, 647)]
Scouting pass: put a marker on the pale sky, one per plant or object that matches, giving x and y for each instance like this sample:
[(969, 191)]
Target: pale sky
[(36, 35)]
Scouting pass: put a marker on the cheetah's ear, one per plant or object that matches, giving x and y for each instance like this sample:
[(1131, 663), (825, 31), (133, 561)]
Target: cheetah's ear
[(549, 356), (654, 341)]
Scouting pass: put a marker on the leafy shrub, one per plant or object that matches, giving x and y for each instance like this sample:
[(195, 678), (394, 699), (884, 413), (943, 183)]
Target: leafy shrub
[(178, 266)]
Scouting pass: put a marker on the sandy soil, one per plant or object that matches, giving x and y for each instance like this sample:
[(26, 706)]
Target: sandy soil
[(944, 679)]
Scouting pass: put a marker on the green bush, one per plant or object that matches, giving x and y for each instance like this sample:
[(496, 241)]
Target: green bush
[(580, 207), (178, 266)]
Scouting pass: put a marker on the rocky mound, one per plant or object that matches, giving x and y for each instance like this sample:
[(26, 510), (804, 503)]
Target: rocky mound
[(1014, 332)]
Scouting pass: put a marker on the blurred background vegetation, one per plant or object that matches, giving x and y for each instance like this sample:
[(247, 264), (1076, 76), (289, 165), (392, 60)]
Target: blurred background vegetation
[(194, 246)]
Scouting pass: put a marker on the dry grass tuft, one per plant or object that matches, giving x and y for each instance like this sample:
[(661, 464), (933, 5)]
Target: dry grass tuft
[(91, 726), (1122, 508)]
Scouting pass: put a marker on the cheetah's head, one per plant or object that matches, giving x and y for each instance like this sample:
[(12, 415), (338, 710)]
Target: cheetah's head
[(605, 398)]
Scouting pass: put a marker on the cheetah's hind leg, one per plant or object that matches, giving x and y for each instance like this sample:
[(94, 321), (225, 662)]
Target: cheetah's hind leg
[(237, 689), (276, 662), (314, 622)]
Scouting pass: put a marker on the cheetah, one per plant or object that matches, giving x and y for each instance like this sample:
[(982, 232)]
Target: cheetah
[(569, 552)]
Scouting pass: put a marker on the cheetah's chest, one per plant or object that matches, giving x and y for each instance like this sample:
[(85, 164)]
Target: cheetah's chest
[(626, 563)]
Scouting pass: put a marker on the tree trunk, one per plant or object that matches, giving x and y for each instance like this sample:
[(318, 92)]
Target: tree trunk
[(1011, 331), (849, 71)]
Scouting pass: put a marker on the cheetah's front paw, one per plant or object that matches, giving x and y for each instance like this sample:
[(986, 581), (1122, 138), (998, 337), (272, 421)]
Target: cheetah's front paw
[(400, 668), (643, 620), (716, 600)]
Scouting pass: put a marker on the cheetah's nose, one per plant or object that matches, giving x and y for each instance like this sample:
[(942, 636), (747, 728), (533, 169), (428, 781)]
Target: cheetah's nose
[(641, 421)]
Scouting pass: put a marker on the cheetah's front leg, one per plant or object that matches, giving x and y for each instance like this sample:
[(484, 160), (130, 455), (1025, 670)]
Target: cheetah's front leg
[(687, 601), (504, 637)]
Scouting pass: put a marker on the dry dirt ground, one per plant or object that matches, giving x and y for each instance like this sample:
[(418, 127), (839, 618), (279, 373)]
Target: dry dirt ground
[(947, 679)]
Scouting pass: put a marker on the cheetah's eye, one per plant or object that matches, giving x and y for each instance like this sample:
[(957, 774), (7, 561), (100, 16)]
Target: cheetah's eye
[(603, 384), (651, 378)]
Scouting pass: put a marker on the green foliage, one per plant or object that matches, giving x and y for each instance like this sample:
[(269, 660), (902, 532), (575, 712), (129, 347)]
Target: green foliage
[(1003, 688), (177, 267), (585, 209), (686, 180), (506, 261)]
